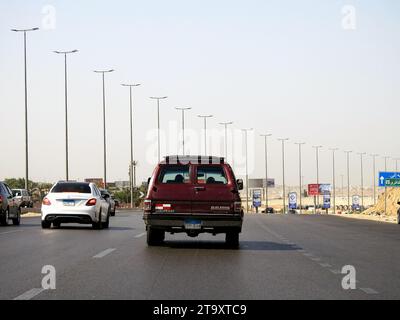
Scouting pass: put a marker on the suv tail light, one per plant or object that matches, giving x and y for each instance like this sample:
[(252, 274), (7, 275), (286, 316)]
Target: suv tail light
[(238, 207), (147, 205), (91, 202), (46, 202)]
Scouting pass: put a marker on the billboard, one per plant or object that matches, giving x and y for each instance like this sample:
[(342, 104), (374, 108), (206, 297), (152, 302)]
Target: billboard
[(325, 189), (313, 189)]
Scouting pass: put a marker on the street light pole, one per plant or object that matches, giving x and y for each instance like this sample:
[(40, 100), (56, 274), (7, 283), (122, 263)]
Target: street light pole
[(348, 178), (247, 167), (386, 158), (374, 174), (226, 124), (334, 178), (205, 131), (397, 164), (26, 106), (158, 124), (362, 154), (132, 164), (104, 124), (266, 136), (300, 144), (283, 173), (65, 53), (317, 158), (183, 127)]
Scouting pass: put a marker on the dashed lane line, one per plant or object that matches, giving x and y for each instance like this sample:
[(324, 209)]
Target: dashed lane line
[(140, 235), (104, 253), (9, 232), (30, 294), (369, 291)]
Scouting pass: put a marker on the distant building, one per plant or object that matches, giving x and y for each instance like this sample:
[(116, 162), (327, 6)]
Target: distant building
[(122, 184), (260, 183)]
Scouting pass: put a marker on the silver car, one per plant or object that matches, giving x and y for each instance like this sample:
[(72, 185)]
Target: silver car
[(75, 202), (9, 208)]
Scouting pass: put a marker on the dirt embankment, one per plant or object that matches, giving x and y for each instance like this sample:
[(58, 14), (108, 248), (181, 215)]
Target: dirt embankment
[(393, 197)]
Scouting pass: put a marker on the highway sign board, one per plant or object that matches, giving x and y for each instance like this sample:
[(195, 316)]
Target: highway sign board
[(313, 189), (257, 198), (383, 176), (327, 201), (293, 200), (392, 183), (356, 202), (325, 189)]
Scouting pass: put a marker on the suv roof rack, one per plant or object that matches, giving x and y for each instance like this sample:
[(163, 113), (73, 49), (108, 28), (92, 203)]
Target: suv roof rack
[(193, 160)]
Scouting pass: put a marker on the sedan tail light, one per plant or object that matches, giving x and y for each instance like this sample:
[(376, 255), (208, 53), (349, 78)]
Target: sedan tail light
[(147, 205), (46, 202), (91, 202)]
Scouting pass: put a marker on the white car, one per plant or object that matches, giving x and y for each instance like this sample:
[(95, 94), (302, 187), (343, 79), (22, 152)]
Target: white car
[(75, 202)]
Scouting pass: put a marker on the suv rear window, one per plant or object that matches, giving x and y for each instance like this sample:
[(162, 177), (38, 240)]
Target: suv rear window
[(71, 188), (174, 175), (211, 175)]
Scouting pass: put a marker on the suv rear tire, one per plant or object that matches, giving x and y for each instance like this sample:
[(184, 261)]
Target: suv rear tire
[(4, 218), (46, 225), (232, 239), (17, 221), (155, 237), (106, 224)]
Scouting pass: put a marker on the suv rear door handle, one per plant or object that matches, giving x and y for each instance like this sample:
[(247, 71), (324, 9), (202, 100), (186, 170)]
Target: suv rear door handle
[(198, 189)]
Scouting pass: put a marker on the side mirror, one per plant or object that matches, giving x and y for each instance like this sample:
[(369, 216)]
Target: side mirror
[(148, 181), (106, 196), (240, 184)]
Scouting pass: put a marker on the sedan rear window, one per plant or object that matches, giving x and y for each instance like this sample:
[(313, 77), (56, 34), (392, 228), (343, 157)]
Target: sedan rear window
[(175, 175), (211, 175), (71, 188)]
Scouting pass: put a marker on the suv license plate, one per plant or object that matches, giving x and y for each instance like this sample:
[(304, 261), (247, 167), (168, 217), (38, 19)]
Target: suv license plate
[(193, 225)]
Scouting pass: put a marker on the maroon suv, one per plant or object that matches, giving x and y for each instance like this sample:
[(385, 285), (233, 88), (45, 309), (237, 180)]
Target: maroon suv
[(193, 195)]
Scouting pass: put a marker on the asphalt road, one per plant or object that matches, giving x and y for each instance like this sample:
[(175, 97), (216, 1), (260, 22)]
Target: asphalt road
[(280, 257)]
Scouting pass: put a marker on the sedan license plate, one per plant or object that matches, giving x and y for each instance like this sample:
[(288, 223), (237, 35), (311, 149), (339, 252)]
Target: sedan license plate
[(69, 203), (193, 225)]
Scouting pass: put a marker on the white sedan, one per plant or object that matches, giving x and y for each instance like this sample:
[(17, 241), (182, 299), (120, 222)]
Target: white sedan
[(75, 202)]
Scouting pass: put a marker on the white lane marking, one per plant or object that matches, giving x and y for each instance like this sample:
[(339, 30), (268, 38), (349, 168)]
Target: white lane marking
[(104, 253), (325, 265), (369, 291), (30, 294), (316, 259), (308, 254), (140, 235), (335, 271), (8, 232)]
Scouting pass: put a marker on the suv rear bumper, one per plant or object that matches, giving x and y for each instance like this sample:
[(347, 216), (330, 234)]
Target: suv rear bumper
[(211, 223)]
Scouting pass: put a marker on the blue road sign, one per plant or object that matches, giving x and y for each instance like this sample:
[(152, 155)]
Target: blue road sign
[(327, 201), (383, 176), (293, 200)]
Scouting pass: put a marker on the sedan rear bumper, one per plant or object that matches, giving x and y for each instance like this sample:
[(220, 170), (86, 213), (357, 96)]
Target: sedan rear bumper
[(65, 218)]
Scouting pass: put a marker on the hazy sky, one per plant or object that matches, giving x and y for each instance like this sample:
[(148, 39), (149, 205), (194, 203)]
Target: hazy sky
[(296, 69)]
